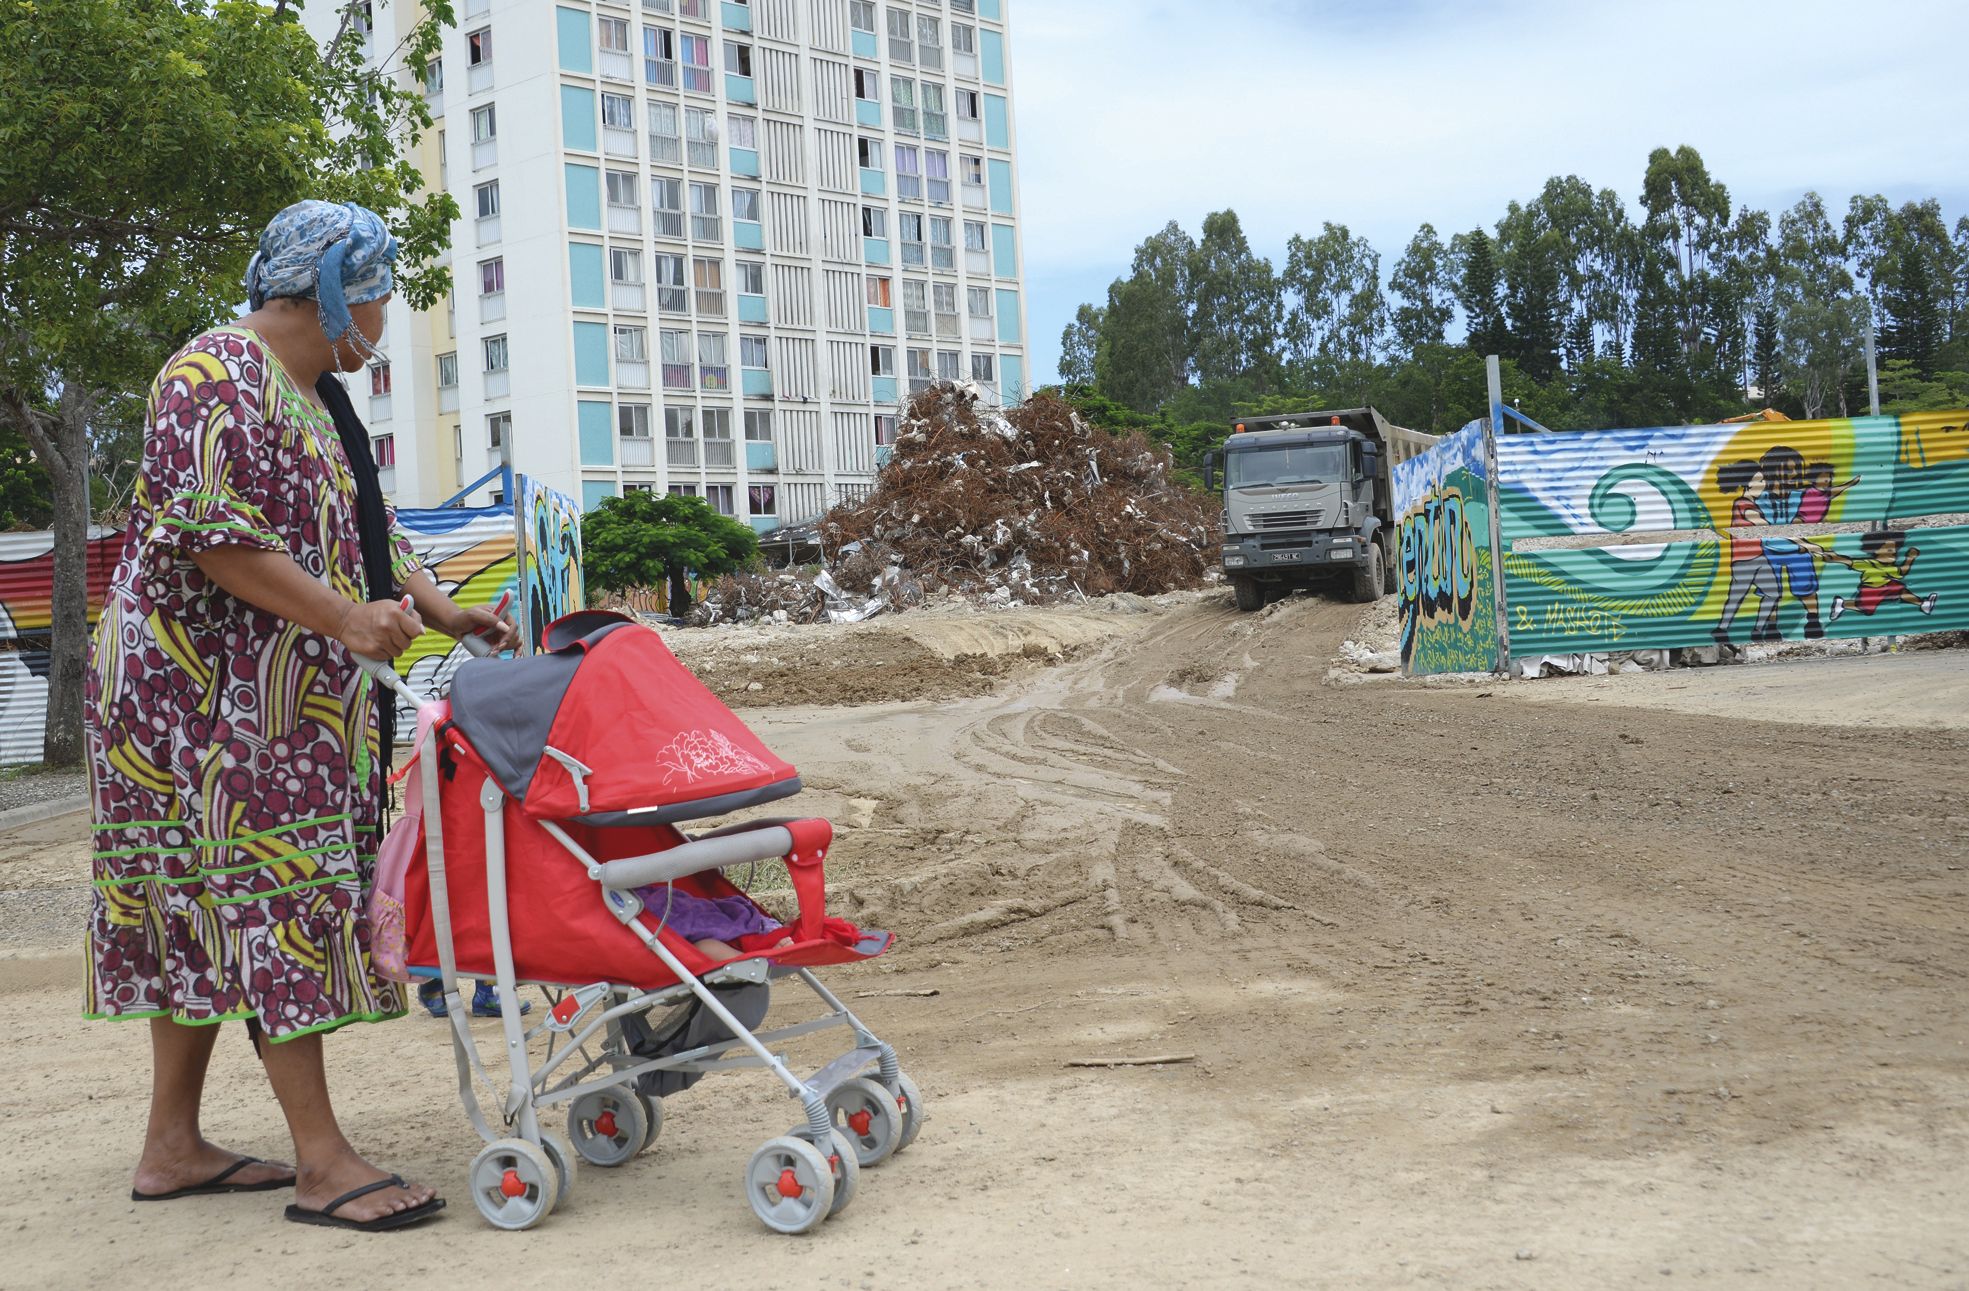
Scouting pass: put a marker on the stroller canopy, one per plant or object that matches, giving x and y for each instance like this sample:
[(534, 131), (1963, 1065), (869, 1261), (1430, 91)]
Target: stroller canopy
[(608, 728)]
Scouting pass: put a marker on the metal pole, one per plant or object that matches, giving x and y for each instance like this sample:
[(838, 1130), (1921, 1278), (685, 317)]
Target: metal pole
[(1494, 426), (1872, 370)]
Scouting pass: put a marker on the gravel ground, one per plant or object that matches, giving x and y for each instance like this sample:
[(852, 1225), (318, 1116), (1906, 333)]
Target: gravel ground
[(27, 785)]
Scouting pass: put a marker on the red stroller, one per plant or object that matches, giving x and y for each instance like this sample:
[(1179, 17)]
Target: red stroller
[(551, 791)]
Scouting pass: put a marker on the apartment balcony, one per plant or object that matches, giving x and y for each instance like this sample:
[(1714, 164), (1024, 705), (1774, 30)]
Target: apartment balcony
[(764, 524), (379, 408), (981, 327), (868, 113), (739, 89), (947, 325), (977, 263), (761, 456), (735, 17), (752, 309), (625, 219), (627, 295), (883, 452), (756, 383), (970, 130), (974, 197), (680, 452), (882, 389), (882, 320), (874, 183), (492, 307), (617, 142), (617, 65), (718, 453), (498, 384), (478, 79), (447, 398), (485, 153), (865, 45), (711, 376), (875, 250), (632, 373), (745, 162), (747, 236), (489, 230), (636, 450)]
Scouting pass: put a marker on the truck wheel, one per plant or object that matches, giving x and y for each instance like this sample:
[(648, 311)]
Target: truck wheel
[(1368, 577), (1249, 595), (1389, 576)]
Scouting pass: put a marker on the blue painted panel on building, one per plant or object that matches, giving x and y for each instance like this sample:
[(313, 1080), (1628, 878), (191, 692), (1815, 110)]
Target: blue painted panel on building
[(737, 17), (591, 354), (883, 452), (747, 236), (875, 250), (991, 55), (1012, 378), (593, 491), (577, 49), (577, 118), (1004, 251), (596, 418), (738, 89), (883, 389), (586, 286), (868, 113), (865, 46), (764, 524), (584, 197), (1008, 316), (998, 121), (989, 9), (745, 161), (761, 455), (1001, 186), (756, 382), (882, 320), (752, 309), (874, 183)]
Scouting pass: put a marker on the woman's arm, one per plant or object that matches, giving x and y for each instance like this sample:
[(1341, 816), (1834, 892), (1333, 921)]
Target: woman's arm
[(273, 582)]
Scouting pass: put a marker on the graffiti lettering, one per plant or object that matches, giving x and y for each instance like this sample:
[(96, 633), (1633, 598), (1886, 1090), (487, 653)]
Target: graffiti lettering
[(1438, 565)]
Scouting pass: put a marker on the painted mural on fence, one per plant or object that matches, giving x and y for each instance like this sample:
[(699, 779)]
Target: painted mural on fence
[(1442, 554), (27, 579), (1692, 485), (550, 578), (471, 555)]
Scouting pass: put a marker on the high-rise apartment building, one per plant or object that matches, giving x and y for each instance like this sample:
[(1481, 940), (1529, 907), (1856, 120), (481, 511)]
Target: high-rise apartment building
[(708, 246)]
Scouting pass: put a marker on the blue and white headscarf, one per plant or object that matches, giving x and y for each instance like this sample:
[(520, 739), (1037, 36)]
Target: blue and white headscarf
[(335, 254)]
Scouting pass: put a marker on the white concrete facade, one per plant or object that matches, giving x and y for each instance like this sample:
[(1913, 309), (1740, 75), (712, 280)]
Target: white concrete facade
[(627, 140)]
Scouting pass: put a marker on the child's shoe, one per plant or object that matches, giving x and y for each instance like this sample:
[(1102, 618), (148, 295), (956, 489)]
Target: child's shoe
[(485, 1002), (1838, 608), (1928, 602)]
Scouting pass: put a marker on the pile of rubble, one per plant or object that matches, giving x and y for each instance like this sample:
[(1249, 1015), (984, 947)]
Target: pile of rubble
[(1029, 507)]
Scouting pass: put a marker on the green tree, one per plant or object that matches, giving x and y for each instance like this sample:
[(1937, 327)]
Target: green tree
[(126, 218), (646, 539), (1426, 291), (1821, 316), (1532, 295), (1688, 216), (1142, 353), (25, 502), (1079, 342), (1234, 304), (1337, 309), (1483, 311)]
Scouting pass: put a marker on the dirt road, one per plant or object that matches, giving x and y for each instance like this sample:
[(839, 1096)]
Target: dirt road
[(1483, 993)]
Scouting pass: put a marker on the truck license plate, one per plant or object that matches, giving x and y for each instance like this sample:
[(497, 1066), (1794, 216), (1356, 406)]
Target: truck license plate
[(1288, 555)]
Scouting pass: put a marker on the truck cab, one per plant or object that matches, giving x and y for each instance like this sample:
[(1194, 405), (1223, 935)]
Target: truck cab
[(1307, 502)]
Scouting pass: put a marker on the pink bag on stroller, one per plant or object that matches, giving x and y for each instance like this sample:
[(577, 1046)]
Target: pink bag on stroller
[(389, 943)]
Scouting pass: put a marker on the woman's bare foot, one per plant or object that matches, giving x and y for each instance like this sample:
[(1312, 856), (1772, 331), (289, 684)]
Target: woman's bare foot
[(168, 1167), (322, 1182)]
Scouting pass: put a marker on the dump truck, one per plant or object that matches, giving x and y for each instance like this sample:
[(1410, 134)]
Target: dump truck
[(1309, 502)]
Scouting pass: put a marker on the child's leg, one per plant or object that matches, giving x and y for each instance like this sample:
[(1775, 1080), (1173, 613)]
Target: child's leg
[(716, 949)]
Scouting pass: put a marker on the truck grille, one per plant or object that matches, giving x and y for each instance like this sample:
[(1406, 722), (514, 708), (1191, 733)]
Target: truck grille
[(1286, 520), (1285, 541)]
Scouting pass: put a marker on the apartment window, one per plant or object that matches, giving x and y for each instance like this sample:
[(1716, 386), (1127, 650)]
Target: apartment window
[(706, 226), (690, 8), (621, 186), (967, 103), (950, 365), (935, 124), (667, 206), (495, 353), (974, 235), (759, 425), (632, 420), (936, 168), (902, 103), (675, 349), (751, 278), (665, 141), (943, 296), (879, 292), (868, 153), (383, 449), (680, 436), (752, 352), (744, 131), (625, 265), (963, 38), (618, 112), (943, 252), (738, 58), (984, 368), (713, 371), (745, 205), (492, 276), (868, 85), (861, 15), (379, 379), (709, 278), (697, 64), (919, 370), (902, 46), (683, 490), (909, 230), (478, 47), (458, 442), (885, 429), (978, 300), (762, 499), (672, 292), (612, 35), (659, 55), (909, 172), (874, 222), (972, 169), (720, 498), (716, 428), (498, 429), (487, 196), (929, 42), (916, 306), (882, 360), (447, 370), (701, 134), (485, 126), (434, 77)]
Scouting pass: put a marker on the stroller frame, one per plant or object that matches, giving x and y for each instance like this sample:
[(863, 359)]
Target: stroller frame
[(793, 1181)]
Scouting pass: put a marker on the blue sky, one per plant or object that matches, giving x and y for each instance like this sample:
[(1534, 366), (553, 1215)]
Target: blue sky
[(1380, 114)]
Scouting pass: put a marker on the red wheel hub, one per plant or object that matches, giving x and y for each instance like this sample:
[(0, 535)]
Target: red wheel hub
[(789, 1184), (510, 1184), (605, 1125), (860, 1122)]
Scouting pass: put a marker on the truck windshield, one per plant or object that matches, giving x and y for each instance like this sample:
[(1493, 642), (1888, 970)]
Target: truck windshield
[(1285, 464)]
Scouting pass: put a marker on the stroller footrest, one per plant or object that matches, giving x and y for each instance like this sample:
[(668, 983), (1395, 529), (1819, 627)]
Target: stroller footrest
[(842, 1069)]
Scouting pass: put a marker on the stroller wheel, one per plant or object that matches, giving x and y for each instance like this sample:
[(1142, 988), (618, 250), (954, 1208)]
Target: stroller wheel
[(566, 1164), (608, 1127), (867, 1116), (653, 1109), (847, 1169), (789, 1184), (514, 1184), (910, 1103)]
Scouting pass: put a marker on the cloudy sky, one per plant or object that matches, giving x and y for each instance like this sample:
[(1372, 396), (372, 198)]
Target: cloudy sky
[(1380, 114)]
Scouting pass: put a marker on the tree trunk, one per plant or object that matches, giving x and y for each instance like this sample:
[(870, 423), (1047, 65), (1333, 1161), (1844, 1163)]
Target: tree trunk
[(61, 441), (679, 599)]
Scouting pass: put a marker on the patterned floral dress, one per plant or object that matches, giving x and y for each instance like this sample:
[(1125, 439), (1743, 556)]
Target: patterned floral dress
[(232, 753)]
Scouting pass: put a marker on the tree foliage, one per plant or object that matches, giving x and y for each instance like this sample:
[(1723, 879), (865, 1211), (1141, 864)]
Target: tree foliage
[(647, 539)]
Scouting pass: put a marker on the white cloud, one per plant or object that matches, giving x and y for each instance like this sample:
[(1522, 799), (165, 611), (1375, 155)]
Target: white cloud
[(1382, 116)]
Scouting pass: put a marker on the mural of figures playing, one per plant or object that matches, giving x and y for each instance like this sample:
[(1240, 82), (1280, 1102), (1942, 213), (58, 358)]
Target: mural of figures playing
[(1751, 571), (1887, 560)]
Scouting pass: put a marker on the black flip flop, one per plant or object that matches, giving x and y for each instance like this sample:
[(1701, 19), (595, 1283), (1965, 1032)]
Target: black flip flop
[(217, 1184), (327, 1218)]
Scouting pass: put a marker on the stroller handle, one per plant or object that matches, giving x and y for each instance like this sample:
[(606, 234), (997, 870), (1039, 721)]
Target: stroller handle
[(384, 673), (701, 854)]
